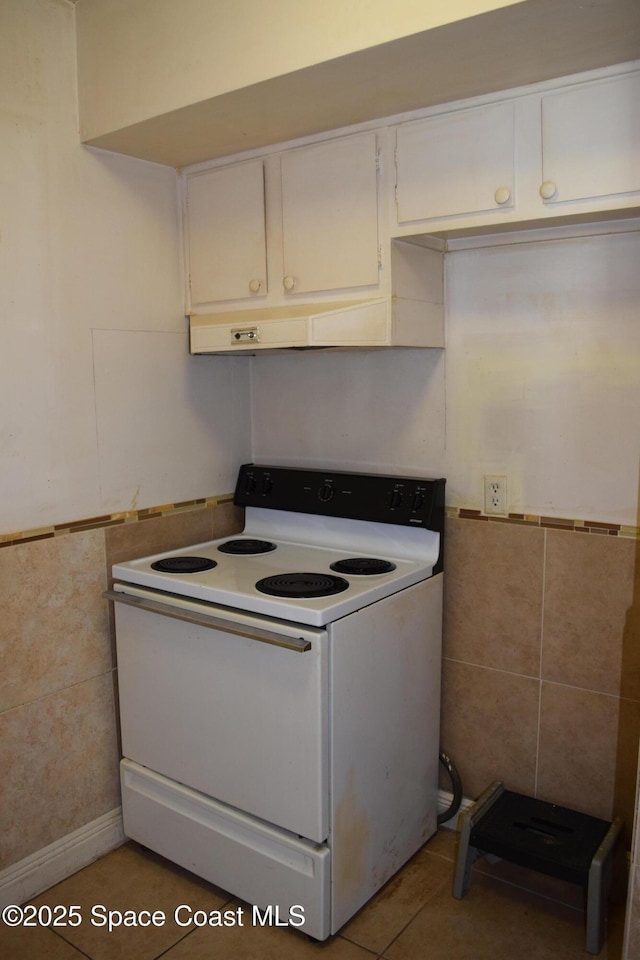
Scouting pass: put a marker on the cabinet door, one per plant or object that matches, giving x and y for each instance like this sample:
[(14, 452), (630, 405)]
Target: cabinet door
[(455, 164), (330, 215), (591, 140), (226, 233)]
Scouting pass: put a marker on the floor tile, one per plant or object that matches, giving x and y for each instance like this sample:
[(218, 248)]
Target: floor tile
[(443, 843), (492, 920), (250, 942), (414, 917), (39, 943), (129, 879), (570, 894), (384, 917)]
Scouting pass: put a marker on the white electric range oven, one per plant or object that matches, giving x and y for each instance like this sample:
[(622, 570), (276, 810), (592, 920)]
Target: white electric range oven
[(280, 691)]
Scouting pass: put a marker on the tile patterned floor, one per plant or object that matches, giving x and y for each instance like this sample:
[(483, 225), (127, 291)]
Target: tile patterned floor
[(508, 913)]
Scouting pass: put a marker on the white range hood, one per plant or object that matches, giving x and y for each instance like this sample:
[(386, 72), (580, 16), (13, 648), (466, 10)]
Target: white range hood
[(380, 322)]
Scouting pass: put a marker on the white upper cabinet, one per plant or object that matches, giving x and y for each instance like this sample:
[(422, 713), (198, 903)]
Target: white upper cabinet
[(591, 141), (267, 236), (330, 215), (454, 164), (301, 222), (569, 151), (225, 233)]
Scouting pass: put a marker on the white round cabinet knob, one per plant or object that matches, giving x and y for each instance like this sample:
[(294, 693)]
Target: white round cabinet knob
[(548, 189), (289, 283), (254, 285), (502, 195)]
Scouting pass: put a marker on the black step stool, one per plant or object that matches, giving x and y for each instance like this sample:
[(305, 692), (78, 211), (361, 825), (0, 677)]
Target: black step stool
[(554, 840)]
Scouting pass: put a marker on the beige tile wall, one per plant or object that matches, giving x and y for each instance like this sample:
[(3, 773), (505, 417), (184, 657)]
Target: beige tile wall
[(541, 663), (540, 674), (58, 729)]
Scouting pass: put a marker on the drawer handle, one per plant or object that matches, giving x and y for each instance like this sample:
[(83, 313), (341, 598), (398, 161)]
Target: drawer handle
[(289, 283), (296, 644), (502, 195)]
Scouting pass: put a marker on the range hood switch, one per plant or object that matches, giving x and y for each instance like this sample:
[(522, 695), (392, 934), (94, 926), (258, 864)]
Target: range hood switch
[(395, 498), (245, 335)]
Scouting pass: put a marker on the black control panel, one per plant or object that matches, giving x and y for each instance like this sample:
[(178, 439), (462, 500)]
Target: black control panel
[(410, 501)]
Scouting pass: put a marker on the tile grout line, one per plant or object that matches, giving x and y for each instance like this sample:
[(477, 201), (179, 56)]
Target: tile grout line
[(177, 943), (528, 676), (55, 693), (380, 955), (80, 951)]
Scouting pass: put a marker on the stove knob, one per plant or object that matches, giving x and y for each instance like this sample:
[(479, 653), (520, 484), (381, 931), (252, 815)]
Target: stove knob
[(395, 499), (326, 492), (418, 501), (250, 483), (267, 484)]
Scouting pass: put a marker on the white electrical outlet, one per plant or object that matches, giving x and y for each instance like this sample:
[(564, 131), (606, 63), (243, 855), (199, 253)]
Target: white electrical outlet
[(495, 495)]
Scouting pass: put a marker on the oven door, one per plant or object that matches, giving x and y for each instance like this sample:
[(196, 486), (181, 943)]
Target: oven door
[(232, 705)]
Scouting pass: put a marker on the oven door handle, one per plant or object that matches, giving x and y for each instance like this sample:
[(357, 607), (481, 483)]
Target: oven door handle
[(296, 644)]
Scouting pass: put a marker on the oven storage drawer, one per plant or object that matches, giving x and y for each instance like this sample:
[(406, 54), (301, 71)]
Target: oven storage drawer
[(250, 859), (234, 718)]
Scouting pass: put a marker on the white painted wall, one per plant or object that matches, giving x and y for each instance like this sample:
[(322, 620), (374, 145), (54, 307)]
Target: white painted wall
[(543, 376), (102, 409), (542, 384), (371, 410), (91, 310)]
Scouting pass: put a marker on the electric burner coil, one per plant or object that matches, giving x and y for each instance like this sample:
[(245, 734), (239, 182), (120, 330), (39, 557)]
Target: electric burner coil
[(363, 566), (246, 546), (302, 585), (183, 564)]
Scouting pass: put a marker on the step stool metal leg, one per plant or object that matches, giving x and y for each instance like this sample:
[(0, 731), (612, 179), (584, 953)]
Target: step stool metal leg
[(598, 888), (468, 854)]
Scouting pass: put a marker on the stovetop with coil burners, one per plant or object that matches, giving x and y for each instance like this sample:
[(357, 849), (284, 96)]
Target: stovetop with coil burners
[(360, 538)]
